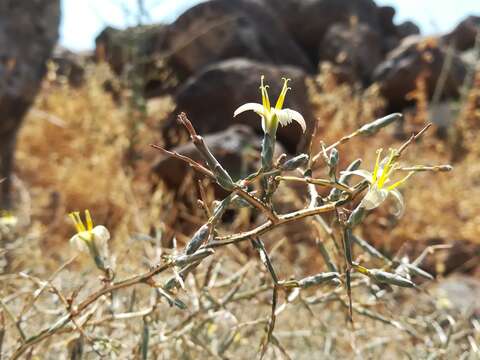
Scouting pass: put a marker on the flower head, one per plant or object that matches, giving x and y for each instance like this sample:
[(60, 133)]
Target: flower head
[(379, 187), (7, 219), (89, 238), (272, 116)]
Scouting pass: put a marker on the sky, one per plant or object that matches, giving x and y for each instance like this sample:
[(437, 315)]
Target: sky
[(84, 19)]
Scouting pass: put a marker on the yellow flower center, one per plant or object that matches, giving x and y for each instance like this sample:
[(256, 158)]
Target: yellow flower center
[(84, 231)]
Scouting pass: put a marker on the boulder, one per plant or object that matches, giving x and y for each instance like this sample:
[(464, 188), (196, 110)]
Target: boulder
[(309, 21), (136, 54), (69, 65), (458, 293), (210, 97), (217, 30), (417, 56), (356, 48), (124, 47), (28, 33), (463, 36), (232, 148), (385, 20), (407, 28)]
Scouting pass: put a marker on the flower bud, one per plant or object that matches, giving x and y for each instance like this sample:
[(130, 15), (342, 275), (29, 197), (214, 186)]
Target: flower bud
[(390, 278), (295, 162), (372, 127), (318, 279), (198, 239)]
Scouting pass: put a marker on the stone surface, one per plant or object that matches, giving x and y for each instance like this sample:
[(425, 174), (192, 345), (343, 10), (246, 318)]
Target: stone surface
[(211, 97), (462, 37), (28, 33), (216, 30), (136, 55), (69, 65), (459, 293), (309, 21), (417, 56), (233, 148), (356, 48)]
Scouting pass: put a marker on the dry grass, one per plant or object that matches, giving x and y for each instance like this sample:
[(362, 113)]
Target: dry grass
[(73, 154)]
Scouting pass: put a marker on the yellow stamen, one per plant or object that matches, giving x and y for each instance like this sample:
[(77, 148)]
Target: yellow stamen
[(75, 222), (283, 93), (377, 165), (386, 170), (400, 182), (79, 221), (88, 217), (265, 99)]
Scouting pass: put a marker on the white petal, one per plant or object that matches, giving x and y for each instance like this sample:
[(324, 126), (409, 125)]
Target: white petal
[(374, 198), (400, 204), (101, 233), (285, 117), (367, 175), (258, 108), (79, 243)]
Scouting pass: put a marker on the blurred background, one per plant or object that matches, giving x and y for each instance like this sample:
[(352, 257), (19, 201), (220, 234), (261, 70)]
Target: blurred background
[(87, 86)]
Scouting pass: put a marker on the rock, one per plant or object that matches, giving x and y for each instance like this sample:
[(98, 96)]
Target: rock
[(231, 147), (28, 33), (356, 48), (136, 54), (69, 65), (464, 35), (407, 28), (416, 56), (459, 293), (210, 97), (385, 19), (217, 30), (124, 47), (309, 21)]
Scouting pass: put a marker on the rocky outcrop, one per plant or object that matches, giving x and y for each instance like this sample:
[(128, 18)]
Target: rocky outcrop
[(355, 48), (221, 29), (463, 36), (69, 65), (210, 98), (135, 44), (28, 33), (232, 148), (417, 56), (309, 21)]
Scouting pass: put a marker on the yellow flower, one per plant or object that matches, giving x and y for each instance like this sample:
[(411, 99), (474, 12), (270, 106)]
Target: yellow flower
[(379, 189), (8, 219), (272, 116), (89, 238)]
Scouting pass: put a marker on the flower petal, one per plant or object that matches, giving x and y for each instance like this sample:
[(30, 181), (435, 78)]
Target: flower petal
[(400, 204), (367, 175), (285, 117), (258, 108), (374, 198), (77, 241), (101, 233)]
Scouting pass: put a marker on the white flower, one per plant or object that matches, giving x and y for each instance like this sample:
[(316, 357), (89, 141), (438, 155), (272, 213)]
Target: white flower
[(378, 190), (89, 239), (271, 116)]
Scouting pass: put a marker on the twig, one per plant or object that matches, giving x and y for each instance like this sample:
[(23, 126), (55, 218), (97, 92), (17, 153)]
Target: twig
[(322, 182), (77, 310)]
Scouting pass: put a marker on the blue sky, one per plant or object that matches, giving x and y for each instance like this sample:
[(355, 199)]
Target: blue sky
[(84, 19)]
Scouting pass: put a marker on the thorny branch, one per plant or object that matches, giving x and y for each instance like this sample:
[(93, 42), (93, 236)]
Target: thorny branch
[(206, 239)]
